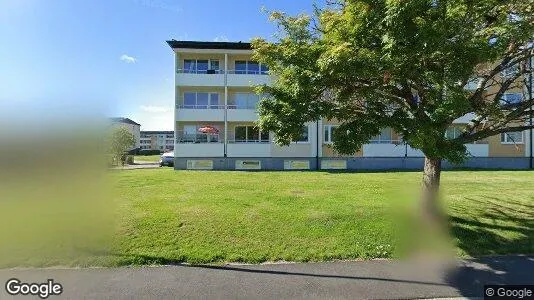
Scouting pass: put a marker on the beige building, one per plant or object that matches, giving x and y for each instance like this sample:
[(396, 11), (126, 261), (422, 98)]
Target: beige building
[(132, 126), (216, 110), (157, 140)]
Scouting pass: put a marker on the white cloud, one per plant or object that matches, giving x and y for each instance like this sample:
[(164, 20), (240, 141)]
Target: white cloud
[(155, 109), (128, 59), (221, 38)]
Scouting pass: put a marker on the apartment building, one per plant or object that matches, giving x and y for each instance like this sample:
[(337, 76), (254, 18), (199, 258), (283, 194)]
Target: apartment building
[(157, 140), (132, 126), (216, 110)]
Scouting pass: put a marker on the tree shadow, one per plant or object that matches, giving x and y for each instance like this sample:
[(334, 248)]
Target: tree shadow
[(502, 227), (470, 278)]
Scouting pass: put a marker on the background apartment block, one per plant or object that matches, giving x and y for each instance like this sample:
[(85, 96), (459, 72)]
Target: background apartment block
[(216, 109), (157, 140), (132, 126)]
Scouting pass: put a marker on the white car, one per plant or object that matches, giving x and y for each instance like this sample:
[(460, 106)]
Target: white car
[(167, 159)]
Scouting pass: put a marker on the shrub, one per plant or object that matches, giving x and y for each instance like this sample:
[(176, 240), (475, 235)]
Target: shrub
[(149, 152)]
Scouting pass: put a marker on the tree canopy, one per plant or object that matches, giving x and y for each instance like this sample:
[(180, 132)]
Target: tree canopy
[(371, 64)]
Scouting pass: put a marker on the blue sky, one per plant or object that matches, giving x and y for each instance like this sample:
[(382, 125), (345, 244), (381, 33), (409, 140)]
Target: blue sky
[(110, 55)]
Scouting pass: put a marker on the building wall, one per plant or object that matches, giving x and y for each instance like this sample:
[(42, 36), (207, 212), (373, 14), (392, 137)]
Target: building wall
[(133, 129)]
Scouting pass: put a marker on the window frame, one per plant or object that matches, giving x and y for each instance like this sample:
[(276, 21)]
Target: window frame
[(307, 141), (249, 140), (195, 69), (262, 68), (505, 95), (378, 139), (328, 128), (508, 141), (209, 104)]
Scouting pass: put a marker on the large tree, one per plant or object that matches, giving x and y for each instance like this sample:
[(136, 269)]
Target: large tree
[(371, 64)]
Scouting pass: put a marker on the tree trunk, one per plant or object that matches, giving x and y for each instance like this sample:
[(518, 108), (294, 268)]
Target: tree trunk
[(430, 206)]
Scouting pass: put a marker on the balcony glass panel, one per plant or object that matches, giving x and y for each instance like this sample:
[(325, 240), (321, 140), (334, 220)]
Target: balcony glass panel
[(253, 68), (190, 66), (240, 67), (202, 66), (189, 100), (214, 100), (202, 100)]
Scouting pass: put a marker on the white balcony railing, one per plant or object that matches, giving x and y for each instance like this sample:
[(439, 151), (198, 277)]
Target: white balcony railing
[(187, 71), (248, 72), (197, 138), (202, 106), (251, 106)]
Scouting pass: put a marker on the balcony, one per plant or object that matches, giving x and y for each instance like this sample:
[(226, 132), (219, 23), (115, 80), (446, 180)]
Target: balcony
[(198, 145), (200, 77), (194, 113), (249, 78)]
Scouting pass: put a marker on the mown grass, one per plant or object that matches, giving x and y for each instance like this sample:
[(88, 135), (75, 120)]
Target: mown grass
[(167, 216), (149, 158)]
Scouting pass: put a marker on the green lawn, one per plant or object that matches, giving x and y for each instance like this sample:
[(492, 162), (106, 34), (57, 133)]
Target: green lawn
[(170, 216), (161, 216), (150, 158)]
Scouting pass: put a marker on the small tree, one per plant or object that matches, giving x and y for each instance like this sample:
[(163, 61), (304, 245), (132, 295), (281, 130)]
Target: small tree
[(372, 64), (120, 140)]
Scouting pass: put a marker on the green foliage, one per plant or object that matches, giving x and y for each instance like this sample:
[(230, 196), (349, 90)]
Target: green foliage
[(372, 64), (120, 140)]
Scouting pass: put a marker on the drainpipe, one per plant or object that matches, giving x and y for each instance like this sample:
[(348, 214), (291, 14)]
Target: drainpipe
[(529, 89), (225, 104), (317, 146)]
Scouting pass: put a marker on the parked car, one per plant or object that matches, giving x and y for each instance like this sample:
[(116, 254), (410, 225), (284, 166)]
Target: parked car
[(167, 159)]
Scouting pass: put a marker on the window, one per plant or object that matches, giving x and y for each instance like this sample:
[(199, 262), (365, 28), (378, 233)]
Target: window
[(512, 137), (240, 67), (253, 68), (194, 100), (245, 100), (201, 66), (453, 132), (510, 71), (190, 66), (264, 70), (328, 131), (250, 134), (511, 98), (472, 84), (304, 136), (385, 137), (250, 67)]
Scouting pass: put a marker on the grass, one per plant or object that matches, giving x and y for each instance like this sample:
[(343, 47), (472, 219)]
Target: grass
[(164, 216), (170, 216), (150, 158)]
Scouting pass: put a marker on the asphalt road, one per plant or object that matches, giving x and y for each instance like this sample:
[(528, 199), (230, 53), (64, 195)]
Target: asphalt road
[(377, 279)]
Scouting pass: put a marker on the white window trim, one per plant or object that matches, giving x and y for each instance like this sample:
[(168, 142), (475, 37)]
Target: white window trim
[(329, 127), (247, 141), (510, 142), (246, 67), (245, 93), (302, 142), (504, 96), (387, 141), (210, 60), (209, 105)]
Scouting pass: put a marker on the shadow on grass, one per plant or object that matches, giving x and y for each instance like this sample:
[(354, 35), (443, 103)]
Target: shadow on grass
[(502, 227)]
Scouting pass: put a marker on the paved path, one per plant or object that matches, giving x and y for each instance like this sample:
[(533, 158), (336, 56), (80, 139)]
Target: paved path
[(336, 280)]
